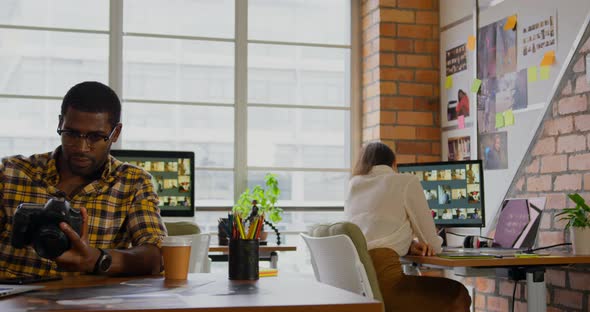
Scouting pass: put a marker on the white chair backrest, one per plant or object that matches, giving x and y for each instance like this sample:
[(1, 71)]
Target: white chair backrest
[(336, 262), (199, 259)]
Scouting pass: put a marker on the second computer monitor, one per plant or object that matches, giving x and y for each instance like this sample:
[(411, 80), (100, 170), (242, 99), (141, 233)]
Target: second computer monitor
[(453, 190)]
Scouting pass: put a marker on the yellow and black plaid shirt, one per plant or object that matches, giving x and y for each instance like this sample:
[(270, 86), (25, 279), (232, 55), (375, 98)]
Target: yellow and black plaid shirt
[(122, 208)]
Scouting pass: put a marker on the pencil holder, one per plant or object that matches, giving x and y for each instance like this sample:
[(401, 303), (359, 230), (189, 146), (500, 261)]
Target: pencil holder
[(243, 259)]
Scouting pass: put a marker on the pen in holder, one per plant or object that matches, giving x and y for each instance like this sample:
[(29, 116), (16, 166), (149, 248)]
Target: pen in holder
[(243, 259)]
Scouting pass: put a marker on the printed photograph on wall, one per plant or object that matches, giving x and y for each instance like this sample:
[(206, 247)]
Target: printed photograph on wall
[(493, 150), (456, 60), (486, 106), (486, 52), (459, 148), (511, 91), (505, 49), (457, 105), (537, 34)]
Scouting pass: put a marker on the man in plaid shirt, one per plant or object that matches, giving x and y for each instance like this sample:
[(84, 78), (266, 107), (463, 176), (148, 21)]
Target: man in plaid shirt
[(122, 229)]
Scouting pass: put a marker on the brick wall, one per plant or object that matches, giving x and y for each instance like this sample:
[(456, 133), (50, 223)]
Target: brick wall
[(559, 163), (400, 104)]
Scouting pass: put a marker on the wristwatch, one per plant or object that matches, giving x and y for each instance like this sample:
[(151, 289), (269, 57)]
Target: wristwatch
[(103, 263)]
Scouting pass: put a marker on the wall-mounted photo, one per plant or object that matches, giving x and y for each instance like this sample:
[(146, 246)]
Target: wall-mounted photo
[(456, 59), (493, 150)]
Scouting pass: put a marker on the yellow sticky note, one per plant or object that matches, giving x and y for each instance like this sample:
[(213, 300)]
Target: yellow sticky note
[(508, 118), (499, 120), (548, 58), (449, 82), (471, 43), (475, 86), (510, 23), (544, 72), (532, 74)]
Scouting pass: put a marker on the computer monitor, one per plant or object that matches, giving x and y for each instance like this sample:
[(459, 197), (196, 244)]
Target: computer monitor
[(454, 191), (173, 176)]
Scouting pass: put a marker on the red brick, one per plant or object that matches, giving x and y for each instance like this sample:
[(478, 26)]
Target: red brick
[(426, 158), (414, 31), (411, 60), (571, 143), (405, 159), (371, 105), (587, 181), (555, 200), (371, 119), (554, 163), (555, 277), (370, 62), (497, 304), (415, 89), (544, 147), (520, 306), (559, 126), (568, 298), (398, 132), (387, 3), (546, 221), (397, 74), (431, 76), (397, 103), (397, 16), (480, 301), (580, 162), (569, 182), (396, 45), (534, 166), (414, 118), (387, 117), (427, 17), (426, 46), (388, 88), (367, 21), (567, 89), (582, 122), (387, 29), (586, 47), (580, 65), (426, 104), (582, 85), (424, 133), (506, 288), (579, 280), (547, 238), (372, 90), (539, 184), (485, 285), (411, 147), (416, 4), (520, 184), (572, 104), (436, 148)]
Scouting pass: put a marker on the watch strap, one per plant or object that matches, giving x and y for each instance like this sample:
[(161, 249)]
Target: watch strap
[(97, 264)]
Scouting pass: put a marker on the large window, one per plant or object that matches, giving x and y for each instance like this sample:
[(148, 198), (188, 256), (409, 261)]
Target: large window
[(251, 86)]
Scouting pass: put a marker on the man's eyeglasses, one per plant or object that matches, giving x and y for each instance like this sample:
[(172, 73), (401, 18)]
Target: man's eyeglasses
[(70, 137)]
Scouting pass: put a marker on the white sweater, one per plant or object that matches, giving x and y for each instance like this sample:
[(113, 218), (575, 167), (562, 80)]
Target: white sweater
[(391, 210)]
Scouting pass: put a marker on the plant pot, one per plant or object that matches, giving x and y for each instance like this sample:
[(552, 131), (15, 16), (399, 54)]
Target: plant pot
[(580, 238)]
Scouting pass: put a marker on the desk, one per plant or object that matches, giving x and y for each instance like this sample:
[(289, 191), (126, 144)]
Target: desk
[(534, 268), (266, 251), (200, 293)]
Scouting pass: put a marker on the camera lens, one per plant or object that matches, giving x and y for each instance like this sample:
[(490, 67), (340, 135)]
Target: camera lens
[(50, 242)]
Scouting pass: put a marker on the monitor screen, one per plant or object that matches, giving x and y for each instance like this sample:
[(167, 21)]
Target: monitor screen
[(453, 190), (173, 176)]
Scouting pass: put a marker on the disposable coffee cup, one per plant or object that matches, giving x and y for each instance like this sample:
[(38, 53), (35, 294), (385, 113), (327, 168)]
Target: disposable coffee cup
[(177, 252)]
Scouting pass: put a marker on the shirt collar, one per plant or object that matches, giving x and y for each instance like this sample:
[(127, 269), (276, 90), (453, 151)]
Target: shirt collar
[(381, 169), (52, 174)]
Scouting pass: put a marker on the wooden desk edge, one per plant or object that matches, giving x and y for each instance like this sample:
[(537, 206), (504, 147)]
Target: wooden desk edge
[(499, 262), (261, 248)]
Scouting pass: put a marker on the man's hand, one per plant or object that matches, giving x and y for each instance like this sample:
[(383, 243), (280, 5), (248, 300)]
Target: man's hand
[(421, 249), (80, 257)]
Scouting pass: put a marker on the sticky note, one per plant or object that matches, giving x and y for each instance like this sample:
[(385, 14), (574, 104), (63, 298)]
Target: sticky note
[(544, 72), (499, 120), (475, 86), (508, 118), (471, 43), (548, 58), (510, 23), (461, 121), (449, 82), (532, 74)]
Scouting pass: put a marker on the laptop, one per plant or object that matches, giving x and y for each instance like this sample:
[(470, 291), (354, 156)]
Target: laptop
[(516, 230), (9, 290)]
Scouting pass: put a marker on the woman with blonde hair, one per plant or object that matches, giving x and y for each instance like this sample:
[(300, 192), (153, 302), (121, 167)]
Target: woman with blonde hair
[(391, 211)]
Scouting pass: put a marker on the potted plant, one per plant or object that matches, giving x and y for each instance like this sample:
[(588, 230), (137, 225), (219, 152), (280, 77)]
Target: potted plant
[(260, 201), (578, 222)]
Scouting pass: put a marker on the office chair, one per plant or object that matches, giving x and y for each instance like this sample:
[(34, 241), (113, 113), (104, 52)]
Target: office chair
[(340, 258)]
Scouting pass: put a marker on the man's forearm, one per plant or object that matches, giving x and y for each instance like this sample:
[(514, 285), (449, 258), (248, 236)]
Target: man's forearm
[(140, 260)]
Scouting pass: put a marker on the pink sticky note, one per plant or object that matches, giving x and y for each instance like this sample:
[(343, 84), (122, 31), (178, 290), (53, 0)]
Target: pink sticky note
[(461, 121)]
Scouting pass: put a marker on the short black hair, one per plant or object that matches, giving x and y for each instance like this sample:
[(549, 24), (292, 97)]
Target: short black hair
[(93, 97)]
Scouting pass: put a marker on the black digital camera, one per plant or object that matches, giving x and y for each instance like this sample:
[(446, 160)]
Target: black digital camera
[(38, 225)]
